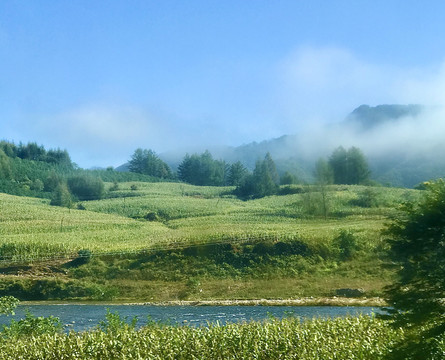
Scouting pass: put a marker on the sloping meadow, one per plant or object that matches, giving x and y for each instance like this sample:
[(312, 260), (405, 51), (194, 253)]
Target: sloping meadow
[(192, 238)]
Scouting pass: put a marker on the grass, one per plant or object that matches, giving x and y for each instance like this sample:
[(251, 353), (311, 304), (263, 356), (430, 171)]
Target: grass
[(165, 219), (360, 337)]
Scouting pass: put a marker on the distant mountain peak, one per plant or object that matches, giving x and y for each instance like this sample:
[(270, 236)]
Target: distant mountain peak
[(366, 117)]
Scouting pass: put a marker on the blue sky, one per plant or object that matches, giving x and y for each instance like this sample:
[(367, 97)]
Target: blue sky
[(101, 78)]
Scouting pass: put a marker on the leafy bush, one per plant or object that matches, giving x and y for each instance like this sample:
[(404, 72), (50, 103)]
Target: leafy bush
[(32, 326), (345, 244), (114, 323), (8, 304), (86, 187)]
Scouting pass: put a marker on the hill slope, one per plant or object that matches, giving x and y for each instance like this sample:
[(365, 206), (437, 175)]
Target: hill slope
[(174, 241)]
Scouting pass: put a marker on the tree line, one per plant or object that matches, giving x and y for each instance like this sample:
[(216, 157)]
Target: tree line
[(33, 151), (31, 170), (344, 166)]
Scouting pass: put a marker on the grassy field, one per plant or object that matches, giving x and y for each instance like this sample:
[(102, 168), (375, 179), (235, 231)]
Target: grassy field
[(161, 235), (329, 339)]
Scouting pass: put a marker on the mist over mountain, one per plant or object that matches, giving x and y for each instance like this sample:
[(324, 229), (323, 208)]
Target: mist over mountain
[(366, 117), (404, 145)]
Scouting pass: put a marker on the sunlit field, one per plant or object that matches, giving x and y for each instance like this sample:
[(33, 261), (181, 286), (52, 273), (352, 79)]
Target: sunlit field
[(167, 241), (172, 214)]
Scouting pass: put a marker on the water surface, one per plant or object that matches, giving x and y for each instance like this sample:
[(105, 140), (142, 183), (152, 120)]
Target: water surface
[(83, 317)]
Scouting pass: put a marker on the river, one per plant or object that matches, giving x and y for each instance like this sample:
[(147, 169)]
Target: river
[(84, 317)]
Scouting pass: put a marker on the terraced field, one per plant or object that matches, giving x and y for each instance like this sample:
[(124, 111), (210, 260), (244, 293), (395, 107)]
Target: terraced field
[(146, 232)]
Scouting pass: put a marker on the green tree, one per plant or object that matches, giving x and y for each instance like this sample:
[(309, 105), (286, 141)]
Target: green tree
[(59, 157), (272, 169), (5, 166), (349, 166), (287, 179), (323, 172), (61, 196), (339, 165), (263, 181), (324, 176), (86, 187), (358, 170), (31, 151), (9, 148), (202, 170), (264, 178), (148, 163), (52, 181), (417, 249), (237, 173)]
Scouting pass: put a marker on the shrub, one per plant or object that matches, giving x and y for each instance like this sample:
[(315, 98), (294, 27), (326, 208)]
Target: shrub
[(61, 196), (345, 244), (8, 304), (86, 187), (366, 199), (33, 326)]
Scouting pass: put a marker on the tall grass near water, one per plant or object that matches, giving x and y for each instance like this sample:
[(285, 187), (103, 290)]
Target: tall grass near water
[(360, 337)]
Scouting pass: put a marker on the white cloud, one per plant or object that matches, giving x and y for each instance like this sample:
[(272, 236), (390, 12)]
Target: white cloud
[(101, 134), (105, 124), (326, 83)]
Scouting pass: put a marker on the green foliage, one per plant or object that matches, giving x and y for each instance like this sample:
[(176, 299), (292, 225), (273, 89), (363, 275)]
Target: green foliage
[(115, 324), (263, 182), (360, 337), (86, 187), (202, 170), (349, 166), (345, 243), (52, 181), (83, 257), (367, 199), (323, 173), (148, 163), (417, 249), (237, 174), (32, 151), (32, 326), (55, 289), (8, 304), (5, 166), (61, 196), (288, 179), (259, 259)]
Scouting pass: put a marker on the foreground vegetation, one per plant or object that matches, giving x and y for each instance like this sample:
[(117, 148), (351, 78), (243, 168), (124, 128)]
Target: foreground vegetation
[(342, 338)]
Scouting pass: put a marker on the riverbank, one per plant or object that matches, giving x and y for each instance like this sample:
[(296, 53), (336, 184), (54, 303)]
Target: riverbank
[(306, 301), (309, 301)]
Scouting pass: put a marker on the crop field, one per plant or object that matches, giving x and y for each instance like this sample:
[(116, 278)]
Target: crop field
[(189, 242), (362, 337), (171, 213)]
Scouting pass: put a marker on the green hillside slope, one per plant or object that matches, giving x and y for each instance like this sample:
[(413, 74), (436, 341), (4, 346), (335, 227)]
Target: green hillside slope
[(175, 241)]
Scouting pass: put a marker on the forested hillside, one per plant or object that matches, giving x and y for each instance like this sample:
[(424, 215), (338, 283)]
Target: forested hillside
[(31, 170)]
